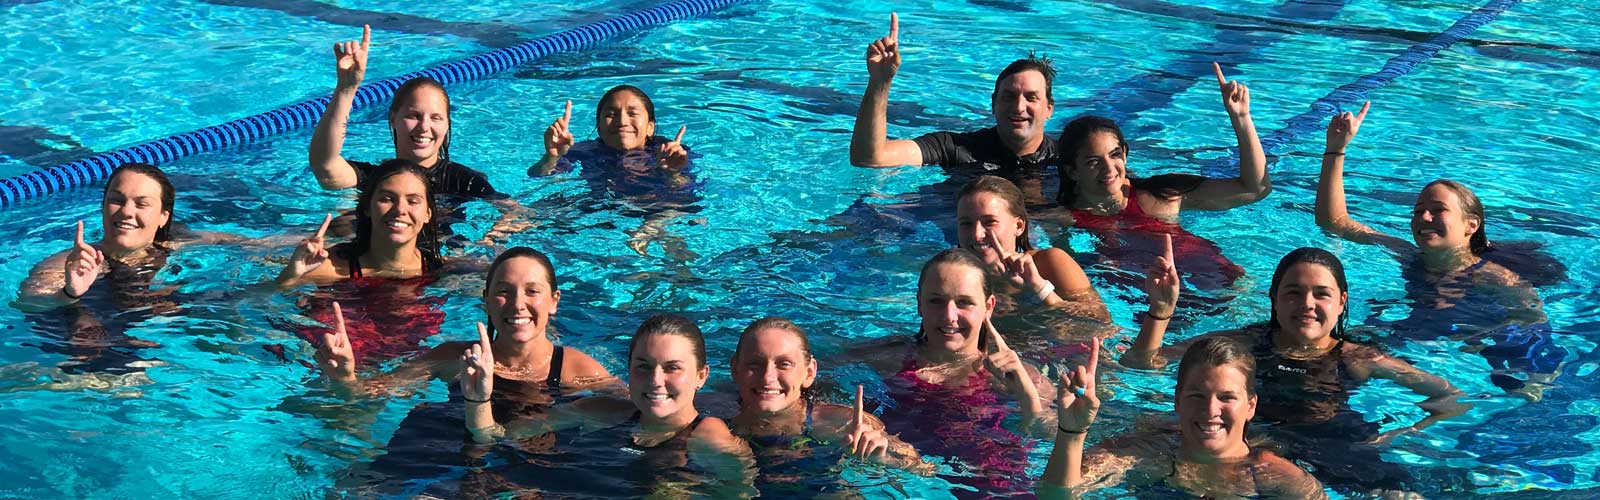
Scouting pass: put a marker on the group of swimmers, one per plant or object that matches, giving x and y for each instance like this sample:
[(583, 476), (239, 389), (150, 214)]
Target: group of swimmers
[(1291, 374)]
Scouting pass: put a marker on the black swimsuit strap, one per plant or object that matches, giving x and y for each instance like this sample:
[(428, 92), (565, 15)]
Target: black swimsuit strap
[(554, 378)]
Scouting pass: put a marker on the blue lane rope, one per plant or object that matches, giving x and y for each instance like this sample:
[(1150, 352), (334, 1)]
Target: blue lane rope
[(1354, 92), (254, 128)]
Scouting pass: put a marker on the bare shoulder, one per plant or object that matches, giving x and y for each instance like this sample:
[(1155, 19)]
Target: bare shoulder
[(1277, 477), (1496, 274), (579, 365)]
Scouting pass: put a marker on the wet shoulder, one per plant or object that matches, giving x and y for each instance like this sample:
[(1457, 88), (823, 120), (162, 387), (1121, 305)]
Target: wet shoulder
[(578, 366)]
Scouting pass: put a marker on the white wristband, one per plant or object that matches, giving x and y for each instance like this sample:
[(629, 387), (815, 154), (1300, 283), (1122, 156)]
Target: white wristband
[(1045, 291)]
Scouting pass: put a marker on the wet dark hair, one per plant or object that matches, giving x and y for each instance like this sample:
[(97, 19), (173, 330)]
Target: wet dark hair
[(1473, 208), (1077, 134), (671, 324), (649, 106), (517, 253), (1308, 255), (405, 94), (1033, 62), (168, 194), (1212, 352), (427, 238), (959, 256), (1009, 192)]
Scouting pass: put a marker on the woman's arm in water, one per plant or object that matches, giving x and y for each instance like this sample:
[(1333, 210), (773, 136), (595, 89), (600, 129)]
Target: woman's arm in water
[(1253, 183), (1442, 397), (1073, 291), (62, 278), (332, 171), (1280, 478), (1332, 215)]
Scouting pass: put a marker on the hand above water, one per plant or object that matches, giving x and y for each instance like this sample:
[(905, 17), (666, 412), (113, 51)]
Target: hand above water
[(308, 255), (672, 156), (335, 357), (1005, 365), (1076, 401), (1235, 96), (83, 266), (1017, 267), (350, 58), (1343, 127), (558, 138), (1162, 282), (477, 367), (865, 441), (883, 56)]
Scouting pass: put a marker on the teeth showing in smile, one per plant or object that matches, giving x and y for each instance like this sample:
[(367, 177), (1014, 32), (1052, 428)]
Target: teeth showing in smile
[(1209, 427), (769, 392), (397, 225), (656, 397), (520, 321)]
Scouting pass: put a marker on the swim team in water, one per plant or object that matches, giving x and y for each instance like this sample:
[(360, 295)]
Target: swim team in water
[(955, 388)]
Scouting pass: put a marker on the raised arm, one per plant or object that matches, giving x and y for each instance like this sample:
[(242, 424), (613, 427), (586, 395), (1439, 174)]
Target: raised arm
[(557, 141), (1332, 215), (1253, 184), (1162, 287), (332, 171), (1076, 406), (869, 146)]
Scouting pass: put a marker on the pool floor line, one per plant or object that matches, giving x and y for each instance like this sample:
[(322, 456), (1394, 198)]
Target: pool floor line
[(1400, 65)]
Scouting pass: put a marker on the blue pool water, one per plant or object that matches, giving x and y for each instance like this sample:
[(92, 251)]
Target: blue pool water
[(768, 91)]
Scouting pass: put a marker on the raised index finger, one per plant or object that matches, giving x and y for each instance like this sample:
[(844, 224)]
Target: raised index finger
[(994, 241), (78, 239), (679, 138), (860, 412), (324, 229), (366, 36), (1363, 114), (894, 27), (567, 115), (1220, 79), (1168, 252), (995, 339), (483, 335), (338, 318)]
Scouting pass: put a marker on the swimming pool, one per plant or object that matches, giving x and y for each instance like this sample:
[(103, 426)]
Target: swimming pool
[(768, 91)]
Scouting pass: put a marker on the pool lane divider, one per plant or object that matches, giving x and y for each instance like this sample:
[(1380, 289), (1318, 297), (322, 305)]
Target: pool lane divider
[(252, 129), (1354, 92)]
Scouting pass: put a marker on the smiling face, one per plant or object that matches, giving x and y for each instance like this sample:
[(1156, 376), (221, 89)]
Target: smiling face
[(1100, 166), (421, 125), (982, 213), (772, 370), (1438, 221), (1213, 406), (624, 122), (664, 375), (520, 300), (953, 306), (399, 209), (1021, 107), (1308, 304), (131, 211)]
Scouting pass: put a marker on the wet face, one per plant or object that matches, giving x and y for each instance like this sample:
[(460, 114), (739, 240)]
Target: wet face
[(952, 304), (772, 370), (623, 122), (131, 211), (1439, 223), (1021, 108), (399, 209), (1213, 407), (663, 375), (982, 213), (421, 126), (520, 300), (1308, 304), (1100, 166)]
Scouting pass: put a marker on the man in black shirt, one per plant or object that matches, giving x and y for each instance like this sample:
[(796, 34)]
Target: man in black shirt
[(1015, 148)]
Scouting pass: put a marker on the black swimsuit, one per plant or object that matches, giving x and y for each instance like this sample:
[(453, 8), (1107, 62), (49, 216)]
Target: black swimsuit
[(1300, 390)]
